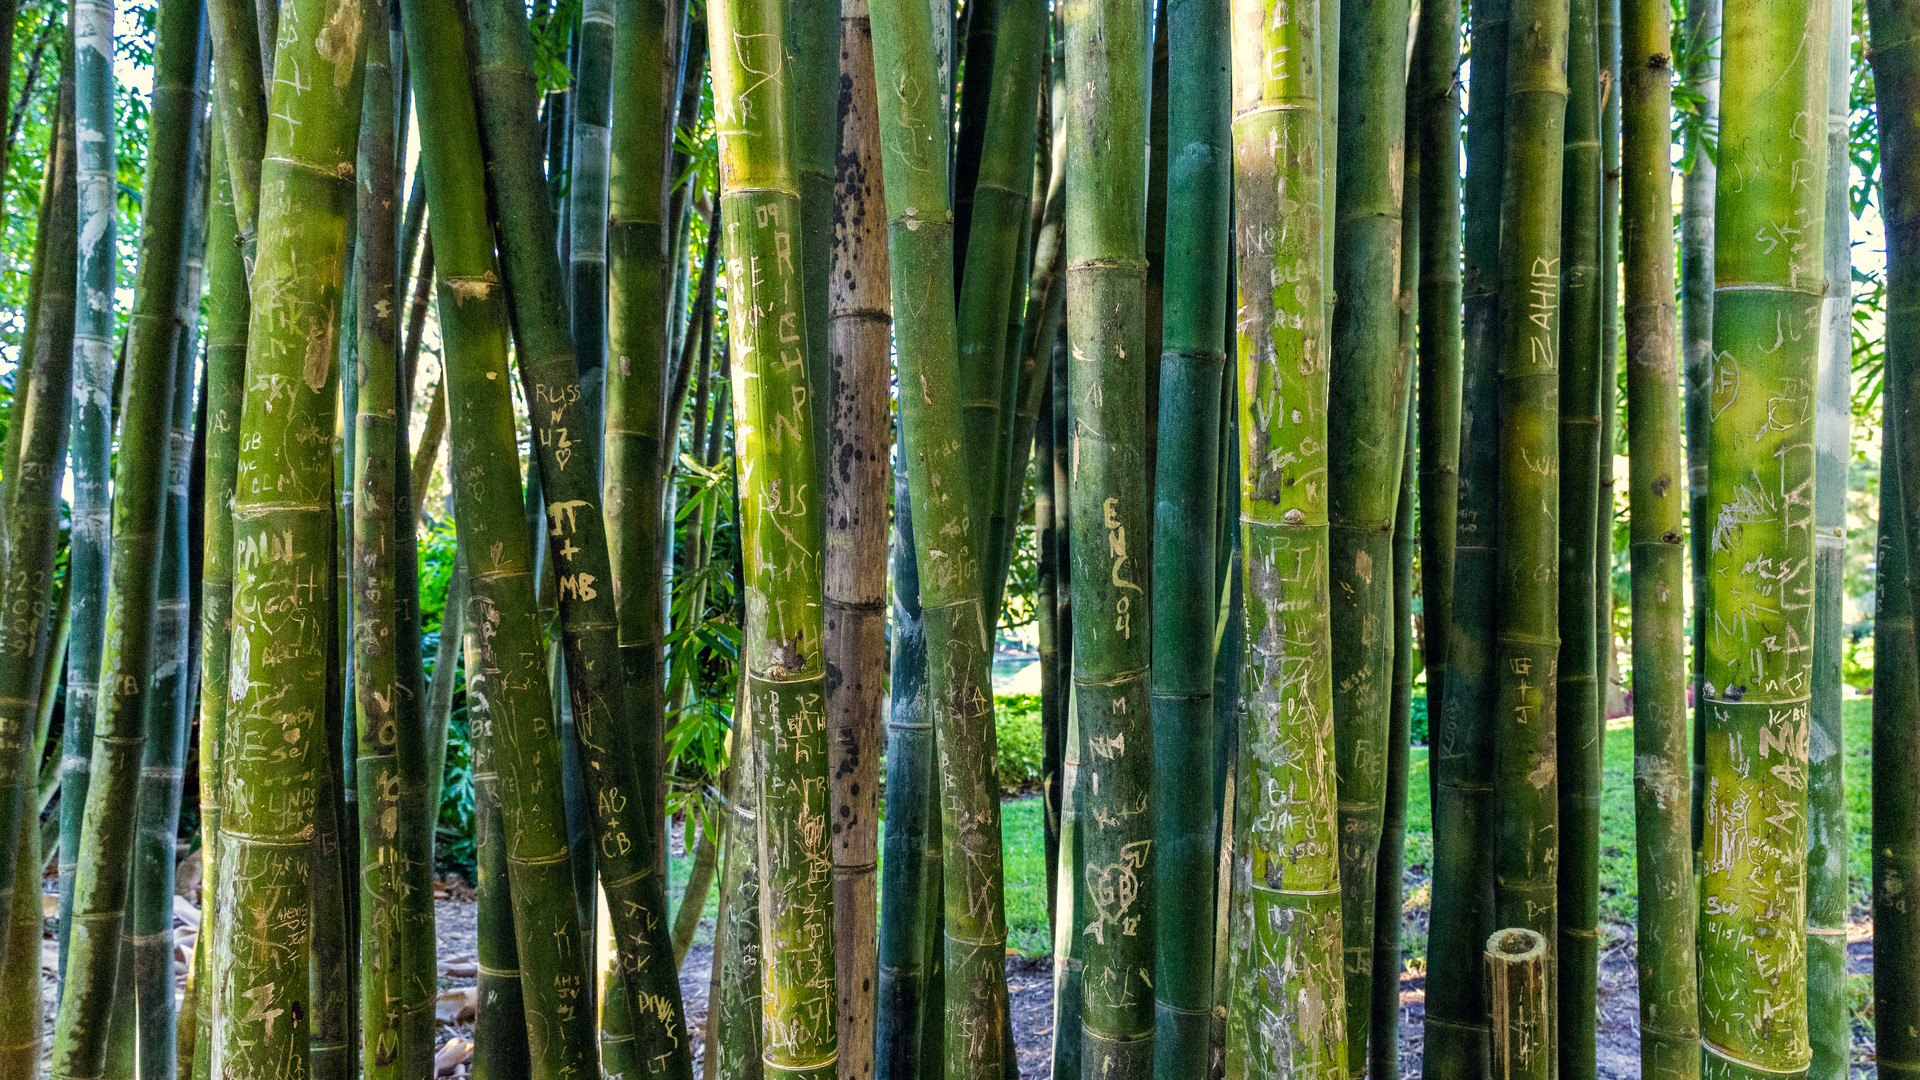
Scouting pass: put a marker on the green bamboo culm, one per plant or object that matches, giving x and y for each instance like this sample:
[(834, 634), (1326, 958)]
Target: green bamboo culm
[(90, 441), (1433, 117), (813, 65), (103, 878), (1527, 631), (1187, 497), (390, 743), (166, 721), (1829, 1026), (1110, 521), (733, 1030), (941, 472), (1383, 1051), (781, 531), (1366, 424), (1895, 40), (858, 483), (1579, 693), (622, 804), (283, 546), (907, 847), (1285, 1004), (1662, 728), (39, 424), (1461, 740), (589, 161), (1768, 291), (1000, 217), (241, 111), (506, 661), (227, 308)]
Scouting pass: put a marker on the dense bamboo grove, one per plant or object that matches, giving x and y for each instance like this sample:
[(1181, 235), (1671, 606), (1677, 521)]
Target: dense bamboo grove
[(628, 457)]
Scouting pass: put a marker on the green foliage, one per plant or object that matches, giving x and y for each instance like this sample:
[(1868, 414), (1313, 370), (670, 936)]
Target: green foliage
[(1017, 716)]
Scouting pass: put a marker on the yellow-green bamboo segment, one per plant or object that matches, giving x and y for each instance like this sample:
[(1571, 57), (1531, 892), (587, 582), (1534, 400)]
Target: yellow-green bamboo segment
[(781, 526), (1662, 725), (1527, 630), (103, 878), (282, 543), (1768, 287), (1286, 1001)]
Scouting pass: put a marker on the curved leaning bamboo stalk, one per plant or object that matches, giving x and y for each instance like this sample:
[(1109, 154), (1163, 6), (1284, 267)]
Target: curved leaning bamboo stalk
[(1286, 1006), (1829, 1025), (942, 469), (619, 775), (506, 661), (1461, 766), (1766, 331), (1662, 729), (1580, 671), (103, 878), (1896, 676), (41, 416), (283, 545), (1187, 497), (781, 526), (1366, 428), (856, 492), (1527, 639)]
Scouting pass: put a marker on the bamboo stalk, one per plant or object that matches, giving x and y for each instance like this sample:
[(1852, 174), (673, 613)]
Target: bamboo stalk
[(1766, 325), (1895, 31), (506, 664), (1366, 425), (736, 1012), (1662, 730), (1696, 345), (103, 878), (1383, 1051), (1461, 732), (1579, 689), (1525, 788), (763, 220), (856, 552), (615, 772), (942, 471), (1519, 989), (1286, 1007), (589, 169), (1187, 497), (1829, 1026)]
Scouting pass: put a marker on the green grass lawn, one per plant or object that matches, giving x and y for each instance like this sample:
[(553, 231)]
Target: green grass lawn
[(1025, 840)]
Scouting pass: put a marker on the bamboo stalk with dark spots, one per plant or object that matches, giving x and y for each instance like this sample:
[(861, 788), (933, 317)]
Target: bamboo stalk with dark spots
[(856, 492)]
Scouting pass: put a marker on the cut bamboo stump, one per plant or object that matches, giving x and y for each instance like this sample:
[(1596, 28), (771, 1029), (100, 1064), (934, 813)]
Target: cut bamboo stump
[(1517, 1005)]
